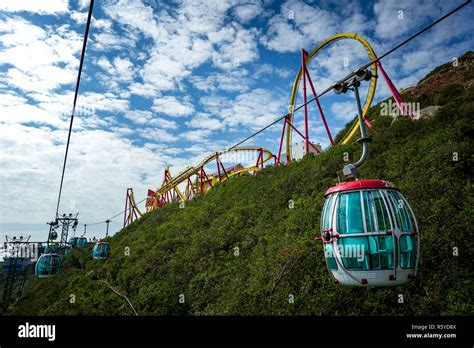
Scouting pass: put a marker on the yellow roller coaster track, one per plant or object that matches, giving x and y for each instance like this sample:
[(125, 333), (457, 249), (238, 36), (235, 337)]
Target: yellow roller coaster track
[(370, 92), (188, 172)]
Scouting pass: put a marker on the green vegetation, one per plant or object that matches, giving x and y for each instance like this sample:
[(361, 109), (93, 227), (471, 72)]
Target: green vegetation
[(466, 57), (192, 251)]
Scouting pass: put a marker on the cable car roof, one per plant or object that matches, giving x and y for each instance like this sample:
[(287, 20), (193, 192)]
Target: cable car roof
[(360, 184)]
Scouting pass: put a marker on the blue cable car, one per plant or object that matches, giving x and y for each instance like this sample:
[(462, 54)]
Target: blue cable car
[(101, 251), (82, 242), (73, 242), (48, 265), (78, 242), (370, 234)]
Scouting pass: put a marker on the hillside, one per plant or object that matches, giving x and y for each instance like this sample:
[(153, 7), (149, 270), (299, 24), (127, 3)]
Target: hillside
[(191, 251)]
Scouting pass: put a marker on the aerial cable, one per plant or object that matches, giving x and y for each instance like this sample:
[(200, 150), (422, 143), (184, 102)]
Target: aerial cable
[(118, 214), (89, 17)]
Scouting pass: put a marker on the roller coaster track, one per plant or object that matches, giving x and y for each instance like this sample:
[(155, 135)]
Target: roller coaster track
[(169, 190)]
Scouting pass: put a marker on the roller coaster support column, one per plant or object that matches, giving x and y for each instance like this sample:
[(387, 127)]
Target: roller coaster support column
[(202, 175), (278, 158), (260, 159), (303, 68), (288, 122), (306, 73), (130, 215), (219, 167)]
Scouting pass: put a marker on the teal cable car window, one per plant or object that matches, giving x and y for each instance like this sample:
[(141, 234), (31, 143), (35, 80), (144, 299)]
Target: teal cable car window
[(349, 213), (381, 252), (400, 211), (329, 253), (407, 251), (327, 213), (369, 208), (376, 214)]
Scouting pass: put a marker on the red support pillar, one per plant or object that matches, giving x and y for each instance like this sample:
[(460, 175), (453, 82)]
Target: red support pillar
[(218, 167), (303, 71), (223, 169), (260, 159), (126, 209), (201, 181), (320, 109), (282, 137), (395, 93)]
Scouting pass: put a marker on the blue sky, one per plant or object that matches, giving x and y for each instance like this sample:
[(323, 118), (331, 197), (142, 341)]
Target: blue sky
[(167, 82)]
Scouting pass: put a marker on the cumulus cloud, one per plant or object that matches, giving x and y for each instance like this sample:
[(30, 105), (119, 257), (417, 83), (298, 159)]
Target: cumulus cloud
[(171, 106), (49, 7), (252, 109), (345, 111), (294, 27)]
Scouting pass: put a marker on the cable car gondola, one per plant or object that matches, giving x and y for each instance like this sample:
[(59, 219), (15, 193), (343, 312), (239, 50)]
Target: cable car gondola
[(78, 242), (82, 242), (368, 229), (73, 242), (101, 250), (48, 265)]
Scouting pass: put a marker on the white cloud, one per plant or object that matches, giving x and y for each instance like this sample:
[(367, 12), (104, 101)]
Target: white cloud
[(32, 158), (252, 109), (395, 18), (247, 12), (232, 81), (143, 89), (204, 121), (197, 135), (157, 135), (345, 111), (39, 61), (119, 70), (143, 117), (241, 49), (41, 7), (186, 38), (9, 99), (102, 102), (26, 113), (269, 70), (294, 27), (171, 106)]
